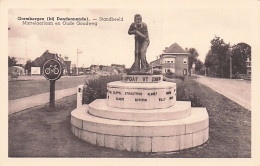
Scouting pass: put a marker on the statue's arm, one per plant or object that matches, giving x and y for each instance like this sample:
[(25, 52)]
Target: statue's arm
[(145, 32), (140, 34), (131, 30)]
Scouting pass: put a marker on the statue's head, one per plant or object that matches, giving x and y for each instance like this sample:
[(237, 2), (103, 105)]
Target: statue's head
[(138, 18)]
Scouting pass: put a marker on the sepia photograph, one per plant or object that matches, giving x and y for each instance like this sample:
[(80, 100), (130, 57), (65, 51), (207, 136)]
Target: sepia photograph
[(130, 80)]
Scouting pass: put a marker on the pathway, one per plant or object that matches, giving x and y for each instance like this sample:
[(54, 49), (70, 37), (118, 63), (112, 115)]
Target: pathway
[(35, 100)]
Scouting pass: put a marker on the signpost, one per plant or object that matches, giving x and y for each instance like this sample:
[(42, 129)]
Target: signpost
[(52, 71)]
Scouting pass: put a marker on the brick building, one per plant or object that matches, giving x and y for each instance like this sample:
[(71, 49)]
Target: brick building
[(174, 59)]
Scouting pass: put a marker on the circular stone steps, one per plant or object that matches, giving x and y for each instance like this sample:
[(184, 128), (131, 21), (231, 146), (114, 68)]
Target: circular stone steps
[(141, 114), (156, 136), (99, 108)]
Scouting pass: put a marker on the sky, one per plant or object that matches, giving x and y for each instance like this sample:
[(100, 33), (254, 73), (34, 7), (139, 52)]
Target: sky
[(109, 43)]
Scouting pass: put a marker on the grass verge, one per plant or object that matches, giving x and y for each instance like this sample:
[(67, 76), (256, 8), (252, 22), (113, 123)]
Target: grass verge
[(19, 89), (41, 132)]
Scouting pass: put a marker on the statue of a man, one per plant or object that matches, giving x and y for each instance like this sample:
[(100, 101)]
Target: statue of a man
[(139, 29)]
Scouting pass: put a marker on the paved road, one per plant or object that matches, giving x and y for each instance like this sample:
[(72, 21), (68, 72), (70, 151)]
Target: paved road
[(237, 90)]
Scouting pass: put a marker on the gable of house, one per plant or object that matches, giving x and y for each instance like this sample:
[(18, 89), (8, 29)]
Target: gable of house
[(175, 48), (38, 62)]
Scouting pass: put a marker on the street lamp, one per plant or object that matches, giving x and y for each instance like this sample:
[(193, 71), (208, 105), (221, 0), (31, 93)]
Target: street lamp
[(78, 52)]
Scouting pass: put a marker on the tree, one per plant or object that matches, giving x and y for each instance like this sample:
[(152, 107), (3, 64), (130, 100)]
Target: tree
[(199, 65), (218, 57), (211, 63), (11, 61), (220, 48), (240, 53), (192, 58), (28, 66)]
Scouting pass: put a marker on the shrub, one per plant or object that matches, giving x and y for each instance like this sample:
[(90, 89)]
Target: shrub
[(97, 88), (175, 76), (242, 76), (188, 90), (157, 72)]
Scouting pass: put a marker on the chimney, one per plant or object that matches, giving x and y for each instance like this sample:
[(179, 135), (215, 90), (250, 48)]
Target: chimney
[(166, 48)]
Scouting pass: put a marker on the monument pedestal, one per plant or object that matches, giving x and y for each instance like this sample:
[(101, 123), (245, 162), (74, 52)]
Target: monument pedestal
[(141, 114)]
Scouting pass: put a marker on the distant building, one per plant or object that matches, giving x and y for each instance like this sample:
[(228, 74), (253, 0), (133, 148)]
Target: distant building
[(118, 66), (156, 65), (39, 62), (111, 69), (67, 68), (173, 60), (94, 68), (85, 70), (21, 61), (248, 66), (15, 71)]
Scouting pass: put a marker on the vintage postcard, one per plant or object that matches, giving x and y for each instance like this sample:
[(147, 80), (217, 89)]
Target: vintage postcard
[(134, 82)]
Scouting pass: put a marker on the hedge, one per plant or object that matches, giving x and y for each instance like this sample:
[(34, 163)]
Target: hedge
[(97, 88)]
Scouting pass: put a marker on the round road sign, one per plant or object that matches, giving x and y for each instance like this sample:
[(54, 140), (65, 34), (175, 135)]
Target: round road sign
[(52, 69)]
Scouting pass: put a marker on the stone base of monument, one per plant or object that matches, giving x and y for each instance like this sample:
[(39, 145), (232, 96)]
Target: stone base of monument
[(143, 117)]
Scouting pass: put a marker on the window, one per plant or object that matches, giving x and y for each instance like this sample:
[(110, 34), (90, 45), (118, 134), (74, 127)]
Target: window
[(169, 60), (185, 72), (185, 60)]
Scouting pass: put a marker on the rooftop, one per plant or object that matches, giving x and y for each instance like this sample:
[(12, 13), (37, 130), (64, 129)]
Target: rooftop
[(175, 48)]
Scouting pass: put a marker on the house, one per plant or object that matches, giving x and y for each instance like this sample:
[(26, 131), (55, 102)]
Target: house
[(156, 65), (39, 62), (174, 60), (248, 66)]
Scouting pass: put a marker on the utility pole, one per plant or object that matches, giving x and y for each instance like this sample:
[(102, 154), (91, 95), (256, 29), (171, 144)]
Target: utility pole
[(230, 58), (78, 52), (230, 61)]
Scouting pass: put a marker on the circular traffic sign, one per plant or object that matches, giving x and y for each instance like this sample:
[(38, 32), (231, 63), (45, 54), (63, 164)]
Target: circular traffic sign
[(52, 69)]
